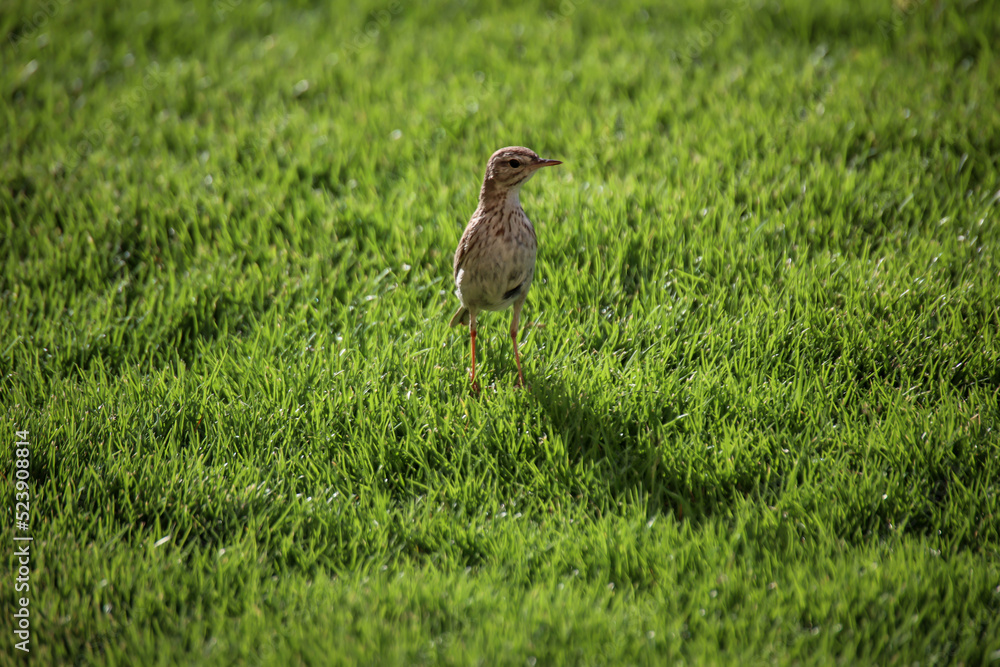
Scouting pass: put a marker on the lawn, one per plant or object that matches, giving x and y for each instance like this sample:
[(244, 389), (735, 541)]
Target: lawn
[(763, 360)]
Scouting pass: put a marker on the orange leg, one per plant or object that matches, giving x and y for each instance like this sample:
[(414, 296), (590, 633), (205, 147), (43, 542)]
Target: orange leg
[(472, 376), (472, 331), (513, 338)]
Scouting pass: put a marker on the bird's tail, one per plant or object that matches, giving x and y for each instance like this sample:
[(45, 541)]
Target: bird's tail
[(460, 317)]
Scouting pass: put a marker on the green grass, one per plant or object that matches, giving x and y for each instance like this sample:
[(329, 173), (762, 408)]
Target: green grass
[(762, 422)]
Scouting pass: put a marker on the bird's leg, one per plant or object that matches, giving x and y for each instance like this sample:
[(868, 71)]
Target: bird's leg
[(472, 375), (472, 332), (513, 338)]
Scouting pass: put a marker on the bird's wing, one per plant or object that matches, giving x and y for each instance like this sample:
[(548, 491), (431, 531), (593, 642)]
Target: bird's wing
[(461, 252)]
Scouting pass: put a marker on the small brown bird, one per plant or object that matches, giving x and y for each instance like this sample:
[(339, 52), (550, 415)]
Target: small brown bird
[(495, 259)]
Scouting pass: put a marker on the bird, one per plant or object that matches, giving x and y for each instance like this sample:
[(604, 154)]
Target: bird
[(495, 259)]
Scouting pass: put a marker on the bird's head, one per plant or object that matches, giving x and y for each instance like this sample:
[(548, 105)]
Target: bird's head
[(511, 167)]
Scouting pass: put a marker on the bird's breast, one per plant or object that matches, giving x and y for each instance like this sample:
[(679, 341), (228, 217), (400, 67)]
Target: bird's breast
[(499, 256)]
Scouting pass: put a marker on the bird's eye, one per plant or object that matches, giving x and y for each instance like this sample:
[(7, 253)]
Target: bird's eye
[(514, 163)]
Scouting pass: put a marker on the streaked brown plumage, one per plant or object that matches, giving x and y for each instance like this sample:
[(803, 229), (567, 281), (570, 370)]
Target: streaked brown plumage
[(495, 259)]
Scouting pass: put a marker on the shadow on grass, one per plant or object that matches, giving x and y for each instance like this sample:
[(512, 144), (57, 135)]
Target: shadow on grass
[(625, 460), (622, 456)]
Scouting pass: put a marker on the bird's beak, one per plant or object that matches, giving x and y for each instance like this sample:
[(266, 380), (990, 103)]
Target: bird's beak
[(542, 162)]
